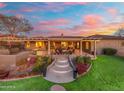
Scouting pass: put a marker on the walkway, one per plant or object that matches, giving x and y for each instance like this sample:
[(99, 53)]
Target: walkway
[(60, 71)]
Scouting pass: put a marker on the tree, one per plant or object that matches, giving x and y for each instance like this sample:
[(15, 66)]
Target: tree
[(14, 25), (120, 32)]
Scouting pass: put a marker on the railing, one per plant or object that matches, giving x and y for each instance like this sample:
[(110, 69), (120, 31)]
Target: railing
[(46, 67), (73, 67)]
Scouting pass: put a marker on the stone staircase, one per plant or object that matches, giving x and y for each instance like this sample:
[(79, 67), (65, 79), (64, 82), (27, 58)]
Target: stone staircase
[(60, 72)]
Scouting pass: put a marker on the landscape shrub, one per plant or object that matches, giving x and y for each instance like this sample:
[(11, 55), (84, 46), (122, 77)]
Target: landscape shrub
[(109, 51), (79, 59), (87, 59), (41, 63), (82, 63)]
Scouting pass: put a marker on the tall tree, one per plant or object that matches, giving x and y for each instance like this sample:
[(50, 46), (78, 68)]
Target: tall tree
[(14, 25), (120, 32)]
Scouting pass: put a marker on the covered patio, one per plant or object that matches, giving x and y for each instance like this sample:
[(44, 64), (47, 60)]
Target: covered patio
[(76, 45)]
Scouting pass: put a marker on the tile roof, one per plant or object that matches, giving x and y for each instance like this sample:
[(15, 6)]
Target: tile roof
[(65, 37), (106, 37)]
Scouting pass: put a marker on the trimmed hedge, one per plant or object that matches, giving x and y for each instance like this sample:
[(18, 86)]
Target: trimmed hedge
[(109, 51)]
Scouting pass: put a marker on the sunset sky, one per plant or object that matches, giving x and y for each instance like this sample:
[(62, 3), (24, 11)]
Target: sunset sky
[(79, 18)]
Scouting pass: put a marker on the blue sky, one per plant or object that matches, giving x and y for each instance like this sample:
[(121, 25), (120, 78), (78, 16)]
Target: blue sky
[(70, 18)]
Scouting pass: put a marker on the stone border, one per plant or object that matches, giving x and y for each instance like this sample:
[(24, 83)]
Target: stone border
[(85, 72), (14, 79)]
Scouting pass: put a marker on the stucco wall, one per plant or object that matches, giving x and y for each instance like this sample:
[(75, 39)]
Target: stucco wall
[(4, 52), (110, 44), (12, 59)]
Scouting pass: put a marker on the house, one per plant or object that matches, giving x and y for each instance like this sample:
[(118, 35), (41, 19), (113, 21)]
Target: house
[(107, 41), (91, 45)]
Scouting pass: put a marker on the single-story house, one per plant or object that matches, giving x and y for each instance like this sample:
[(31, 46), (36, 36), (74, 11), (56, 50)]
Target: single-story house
[(91, 44)]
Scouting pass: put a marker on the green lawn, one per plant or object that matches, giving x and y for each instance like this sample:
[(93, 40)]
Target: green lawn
[(107, 73)]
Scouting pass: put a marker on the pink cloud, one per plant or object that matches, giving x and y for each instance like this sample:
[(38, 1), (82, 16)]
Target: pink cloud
[(112, 11), (79, 30), (92, 20), (54, 7), (28, 9), (51, 30), (2, 5), (55, 22)]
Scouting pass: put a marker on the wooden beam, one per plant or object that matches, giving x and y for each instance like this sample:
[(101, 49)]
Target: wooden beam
[(81, 47), (49, 48), (95, 49)]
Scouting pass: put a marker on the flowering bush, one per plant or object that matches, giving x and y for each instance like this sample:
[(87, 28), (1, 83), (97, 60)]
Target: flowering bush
[(31, 60), (82, 63)]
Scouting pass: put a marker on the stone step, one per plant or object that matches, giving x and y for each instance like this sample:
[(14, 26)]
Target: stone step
[(59, 79), (62, 66), (61, 72), (67, 68), (57, 74), (61, 63)]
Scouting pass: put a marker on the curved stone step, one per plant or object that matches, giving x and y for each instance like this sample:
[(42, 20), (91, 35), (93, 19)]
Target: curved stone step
[(59, 79), (62, 63), (64, 74), (54, 72), (60, 72), (62, 68)]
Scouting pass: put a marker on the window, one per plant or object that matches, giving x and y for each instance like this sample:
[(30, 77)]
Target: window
[(78, 45), (28, 44), (87, 45), (64, 44)]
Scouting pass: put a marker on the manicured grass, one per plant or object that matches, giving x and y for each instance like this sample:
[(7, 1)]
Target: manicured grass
[(107, 73)]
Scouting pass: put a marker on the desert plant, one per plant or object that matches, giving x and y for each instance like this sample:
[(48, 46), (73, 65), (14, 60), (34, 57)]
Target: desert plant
[(79, 59), (41, 63), (109, 51), (87, 59)]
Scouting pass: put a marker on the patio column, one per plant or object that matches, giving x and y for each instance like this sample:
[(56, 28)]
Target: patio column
[(81, 47), (94, 48), (48, 47)]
